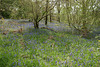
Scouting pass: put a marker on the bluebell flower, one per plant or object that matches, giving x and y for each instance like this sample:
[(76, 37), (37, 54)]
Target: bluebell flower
[(84, 63), (76, 50), (78, 64), (15, 55), (13, 63), (91, 55), (56, 62), (19, 60), (41, 49), (31, 61), (75, 62), (39, 61), (59, 62), (70, 53), (19, 63), (45, 63)]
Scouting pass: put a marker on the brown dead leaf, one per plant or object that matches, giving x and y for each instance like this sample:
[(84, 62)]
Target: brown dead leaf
[(51, 37), (5, 32)]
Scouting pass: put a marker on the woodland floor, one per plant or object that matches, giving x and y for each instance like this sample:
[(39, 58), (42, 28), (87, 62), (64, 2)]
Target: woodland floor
[(45, 48)]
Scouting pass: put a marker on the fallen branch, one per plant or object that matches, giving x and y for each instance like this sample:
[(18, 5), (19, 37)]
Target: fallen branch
[(48, 29)]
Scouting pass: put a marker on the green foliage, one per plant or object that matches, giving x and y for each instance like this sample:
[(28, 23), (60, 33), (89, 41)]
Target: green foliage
[(6, 7), (3, 61), (81, 14), (41, 51), (46, 48)]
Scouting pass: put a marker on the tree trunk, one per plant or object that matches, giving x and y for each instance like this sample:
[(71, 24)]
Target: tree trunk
[(84, 28), (67, 11), (1, 8), (58, 8), (46, 19), (36, 25), (59, 18), (36, 22), (50, 17)]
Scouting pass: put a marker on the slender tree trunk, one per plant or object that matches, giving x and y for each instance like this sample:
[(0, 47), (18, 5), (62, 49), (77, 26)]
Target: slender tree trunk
[(46, 19), (50, 17), (84, 28), (1, 8), (67, 10), (58, 8)]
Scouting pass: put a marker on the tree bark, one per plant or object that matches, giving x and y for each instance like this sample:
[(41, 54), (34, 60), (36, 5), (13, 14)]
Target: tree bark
[(58, 8), (50, 17), (36, 25), (46, 19), (84, 28), (36, 22), (67, 11)]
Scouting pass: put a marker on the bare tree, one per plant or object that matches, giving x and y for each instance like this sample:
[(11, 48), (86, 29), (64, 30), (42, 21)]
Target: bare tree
[(36, 10)]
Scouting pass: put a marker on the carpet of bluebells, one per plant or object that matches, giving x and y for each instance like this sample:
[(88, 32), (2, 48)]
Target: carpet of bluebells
[(45, 48)]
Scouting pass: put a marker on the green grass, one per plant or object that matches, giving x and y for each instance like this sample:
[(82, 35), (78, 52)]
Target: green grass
[(34, 48)]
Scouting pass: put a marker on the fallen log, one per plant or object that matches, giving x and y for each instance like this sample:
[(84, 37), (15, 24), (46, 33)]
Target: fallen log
[(48, 29)]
